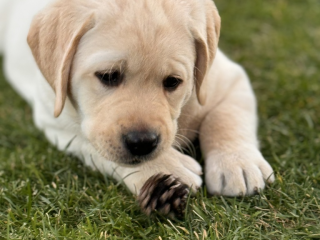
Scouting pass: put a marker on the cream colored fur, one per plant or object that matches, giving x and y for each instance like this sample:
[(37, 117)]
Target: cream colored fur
[(148, 40)]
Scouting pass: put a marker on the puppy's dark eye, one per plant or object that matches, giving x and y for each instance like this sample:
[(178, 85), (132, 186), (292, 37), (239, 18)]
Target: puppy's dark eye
[(110, 79), (171, 83)]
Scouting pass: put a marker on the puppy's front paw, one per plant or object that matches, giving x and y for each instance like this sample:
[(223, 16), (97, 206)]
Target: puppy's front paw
[(237, 174), (165, 194)]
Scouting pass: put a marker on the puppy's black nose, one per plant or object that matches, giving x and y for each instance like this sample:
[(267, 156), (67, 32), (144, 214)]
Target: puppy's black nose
[(141, 143)]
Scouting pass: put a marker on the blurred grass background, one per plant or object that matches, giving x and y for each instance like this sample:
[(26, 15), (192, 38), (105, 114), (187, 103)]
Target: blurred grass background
[(45, 194)]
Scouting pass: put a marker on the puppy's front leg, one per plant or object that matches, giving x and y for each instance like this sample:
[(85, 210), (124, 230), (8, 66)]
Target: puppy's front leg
[(162, 184), (233, 163), (172, 162)]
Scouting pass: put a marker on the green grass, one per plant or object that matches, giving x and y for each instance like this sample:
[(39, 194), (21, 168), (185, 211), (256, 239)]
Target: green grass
[(45, 194)]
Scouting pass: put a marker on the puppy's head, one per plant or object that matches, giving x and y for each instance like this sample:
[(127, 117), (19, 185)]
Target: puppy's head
[(127, 66)]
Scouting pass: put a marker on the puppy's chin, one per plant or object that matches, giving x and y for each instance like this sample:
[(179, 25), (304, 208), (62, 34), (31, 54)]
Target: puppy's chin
[(130, 160)]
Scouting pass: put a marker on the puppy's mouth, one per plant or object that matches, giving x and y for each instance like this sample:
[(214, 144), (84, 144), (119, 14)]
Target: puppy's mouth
[(134, 161), (137, 160)]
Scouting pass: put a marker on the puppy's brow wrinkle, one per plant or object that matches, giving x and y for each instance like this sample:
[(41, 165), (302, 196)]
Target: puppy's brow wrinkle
[(105, 58), (183, 63)]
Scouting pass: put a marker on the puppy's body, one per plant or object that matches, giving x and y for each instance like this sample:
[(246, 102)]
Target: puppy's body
[(147, 41)]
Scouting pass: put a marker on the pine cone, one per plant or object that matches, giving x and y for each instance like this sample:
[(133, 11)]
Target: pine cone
[(164, 194)]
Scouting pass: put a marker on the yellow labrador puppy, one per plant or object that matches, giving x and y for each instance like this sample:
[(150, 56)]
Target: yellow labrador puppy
[(125, 81)]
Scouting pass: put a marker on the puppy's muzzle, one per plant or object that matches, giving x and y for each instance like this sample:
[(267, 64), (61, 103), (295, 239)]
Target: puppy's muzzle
[(141, 143)]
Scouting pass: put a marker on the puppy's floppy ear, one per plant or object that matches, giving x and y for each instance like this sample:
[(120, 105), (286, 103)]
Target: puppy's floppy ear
[(207, 38), (53, 38)]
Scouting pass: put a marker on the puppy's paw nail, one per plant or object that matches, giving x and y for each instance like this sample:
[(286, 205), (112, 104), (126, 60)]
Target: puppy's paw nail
[(165, 194)]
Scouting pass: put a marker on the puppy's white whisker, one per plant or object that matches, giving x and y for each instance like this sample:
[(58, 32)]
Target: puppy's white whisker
[(178, 146), (182, 149), (189, 145)]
